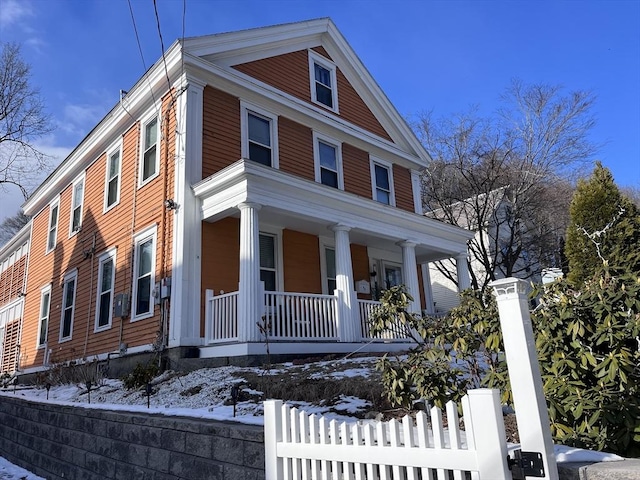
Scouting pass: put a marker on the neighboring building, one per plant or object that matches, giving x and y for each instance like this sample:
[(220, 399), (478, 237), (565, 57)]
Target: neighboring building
[(493, 234), (248, 178)]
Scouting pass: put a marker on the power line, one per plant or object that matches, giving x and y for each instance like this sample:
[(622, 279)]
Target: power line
[(164, 59)]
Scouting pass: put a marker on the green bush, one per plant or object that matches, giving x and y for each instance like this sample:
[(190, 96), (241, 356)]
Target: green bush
[(587, 343), (140, 376)]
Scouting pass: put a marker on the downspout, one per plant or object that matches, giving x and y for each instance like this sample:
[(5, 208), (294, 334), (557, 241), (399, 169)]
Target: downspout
[(91, 253)]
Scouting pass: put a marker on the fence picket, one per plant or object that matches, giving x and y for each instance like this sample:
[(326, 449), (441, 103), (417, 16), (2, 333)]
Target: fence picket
[(305, 439), (454, 433), (333, 432), (394, 441), (423, 440), (438, 436), (345, 434), (368, 440), (324, 440), (358, 440), (407, 430), (381, 437), (314, 431)]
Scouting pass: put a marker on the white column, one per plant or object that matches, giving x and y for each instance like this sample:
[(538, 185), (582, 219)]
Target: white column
[(428, 290), (462, 271), (524, 372), (184, 313), (250, 302), (410, 271), (347, 315)]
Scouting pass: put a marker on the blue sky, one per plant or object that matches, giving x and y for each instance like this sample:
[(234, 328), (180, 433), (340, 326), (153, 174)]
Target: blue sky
[(439, 56)]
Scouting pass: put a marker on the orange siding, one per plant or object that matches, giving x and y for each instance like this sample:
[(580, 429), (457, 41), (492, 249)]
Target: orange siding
[(295, 145), (11, 346), (12, 280), (423, 302), (137, 210), (360, 262), (403, 188), (357, 173), (296, 82), (220, 131), (301, 262), (220, 258)]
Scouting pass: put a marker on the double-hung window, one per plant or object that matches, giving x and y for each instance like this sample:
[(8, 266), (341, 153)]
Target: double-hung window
[(144, 274), (328, 161), (330, 269), (112, 180), (104, 296), (323, 81), (149, 165), (77, 198), (45, 304), (259, 135), (268, 262), (382, 181), (52, 234), (68, 305)]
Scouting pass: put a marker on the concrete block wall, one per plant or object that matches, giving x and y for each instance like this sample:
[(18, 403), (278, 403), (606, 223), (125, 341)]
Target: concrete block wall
[(71, 443)]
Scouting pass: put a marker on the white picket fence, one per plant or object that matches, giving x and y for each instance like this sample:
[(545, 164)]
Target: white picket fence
[(299, 446)]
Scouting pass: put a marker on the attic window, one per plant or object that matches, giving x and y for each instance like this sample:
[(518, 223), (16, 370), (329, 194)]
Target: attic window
[(322, 73)]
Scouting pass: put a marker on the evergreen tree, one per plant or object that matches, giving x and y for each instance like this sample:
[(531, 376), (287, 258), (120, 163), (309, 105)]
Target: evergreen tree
[(604, 229)]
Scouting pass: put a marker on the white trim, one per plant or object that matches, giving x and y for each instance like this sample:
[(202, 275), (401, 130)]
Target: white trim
[(373, 161), (80, 179), (117, 148), (324, 244), (316, 58), (150, 116), (245, 109), (416, 188), (52, 205), (109, 255), (141, 237), (72, 275), (44, 290), (332, 142)]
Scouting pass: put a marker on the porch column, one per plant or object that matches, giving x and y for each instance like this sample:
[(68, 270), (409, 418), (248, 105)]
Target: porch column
[(250, 302), (462, 270), (428, 289), (410, 270), (347, 315)]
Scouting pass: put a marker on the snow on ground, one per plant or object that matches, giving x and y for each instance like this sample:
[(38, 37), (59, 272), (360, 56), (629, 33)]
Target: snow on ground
[(9, 471), (206, 393)]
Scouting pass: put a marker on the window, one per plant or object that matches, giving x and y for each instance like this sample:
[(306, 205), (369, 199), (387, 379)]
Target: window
[(144, 275), (45, 304), (268, 271), (392, 275), (104, 297), (112, 181), (328, 161), (382, 182), (54, 210), (330, 265), (149, 162), (77, 196), (323, 81), (68, 306), (259, 135)]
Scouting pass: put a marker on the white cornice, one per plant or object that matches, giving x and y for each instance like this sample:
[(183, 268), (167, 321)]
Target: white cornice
[(137, 100)]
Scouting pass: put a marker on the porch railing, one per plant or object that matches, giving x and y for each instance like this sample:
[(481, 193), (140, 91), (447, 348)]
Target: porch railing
[(221, 313), (301, 316), (396, 331)]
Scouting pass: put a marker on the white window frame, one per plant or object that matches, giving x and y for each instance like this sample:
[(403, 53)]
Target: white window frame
[(46, 290), (325, 243), (317, 138), (245, 109), (373, 161), (279, 260), (146, 120), (52, 206), (329, 65), (73, 275), (107, 179), (140, 238), (109, 255), (79, 180)]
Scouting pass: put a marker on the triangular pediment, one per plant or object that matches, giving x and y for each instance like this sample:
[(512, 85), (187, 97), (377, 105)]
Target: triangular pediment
[(261, 53)]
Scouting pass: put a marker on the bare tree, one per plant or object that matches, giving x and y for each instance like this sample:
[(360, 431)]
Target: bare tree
[(12, 225), (22, 120), (508, 177)]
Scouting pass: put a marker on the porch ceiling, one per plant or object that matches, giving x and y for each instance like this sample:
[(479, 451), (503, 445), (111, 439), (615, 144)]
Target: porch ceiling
[(298, 204)]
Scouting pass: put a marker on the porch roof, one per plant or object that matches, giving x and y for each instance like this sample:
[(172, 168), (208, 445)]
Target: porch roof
[(296, 203)]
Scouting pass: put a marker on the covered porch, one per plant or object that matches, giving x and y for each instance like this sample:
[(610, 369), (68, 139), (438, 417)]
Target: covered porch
[(361, 248)]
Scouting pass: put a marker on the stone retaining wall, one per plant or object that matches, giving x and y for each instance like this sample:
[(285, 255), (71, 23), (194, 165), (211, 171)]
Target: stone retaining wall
[(71, 443)]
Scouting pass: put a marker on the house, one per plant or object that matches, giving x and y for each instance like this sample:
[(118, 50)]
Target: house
[(250, 183), (496, 231)]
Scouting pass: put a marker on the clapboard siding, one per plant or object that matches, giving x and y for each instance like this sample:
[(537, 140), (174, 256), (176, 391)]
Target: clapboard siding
[(357, 174), (403, 188), (295, 146), (220, 131), (301, 253)]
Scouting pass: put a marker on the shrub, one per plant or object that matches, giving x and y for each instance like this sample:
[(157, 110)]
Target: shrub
[(140, 376)]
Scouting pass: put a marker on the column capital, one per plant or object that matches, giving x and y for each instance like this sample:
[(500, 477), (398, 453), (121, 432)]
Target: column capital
[(506, 287), (406, 244), (249, 205), (462, 256), (340, 227)]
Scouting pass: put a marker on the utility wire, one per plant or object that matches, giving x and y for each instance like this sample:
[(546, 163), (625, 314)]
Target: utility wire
[(164, 59), (144, 65)]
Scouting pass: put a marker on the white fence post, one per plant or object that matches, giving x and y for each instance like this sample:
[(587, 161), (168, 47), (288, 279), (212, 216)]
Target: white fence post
[(272, 435), (524, 371), (484, 424), (208, 316)]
